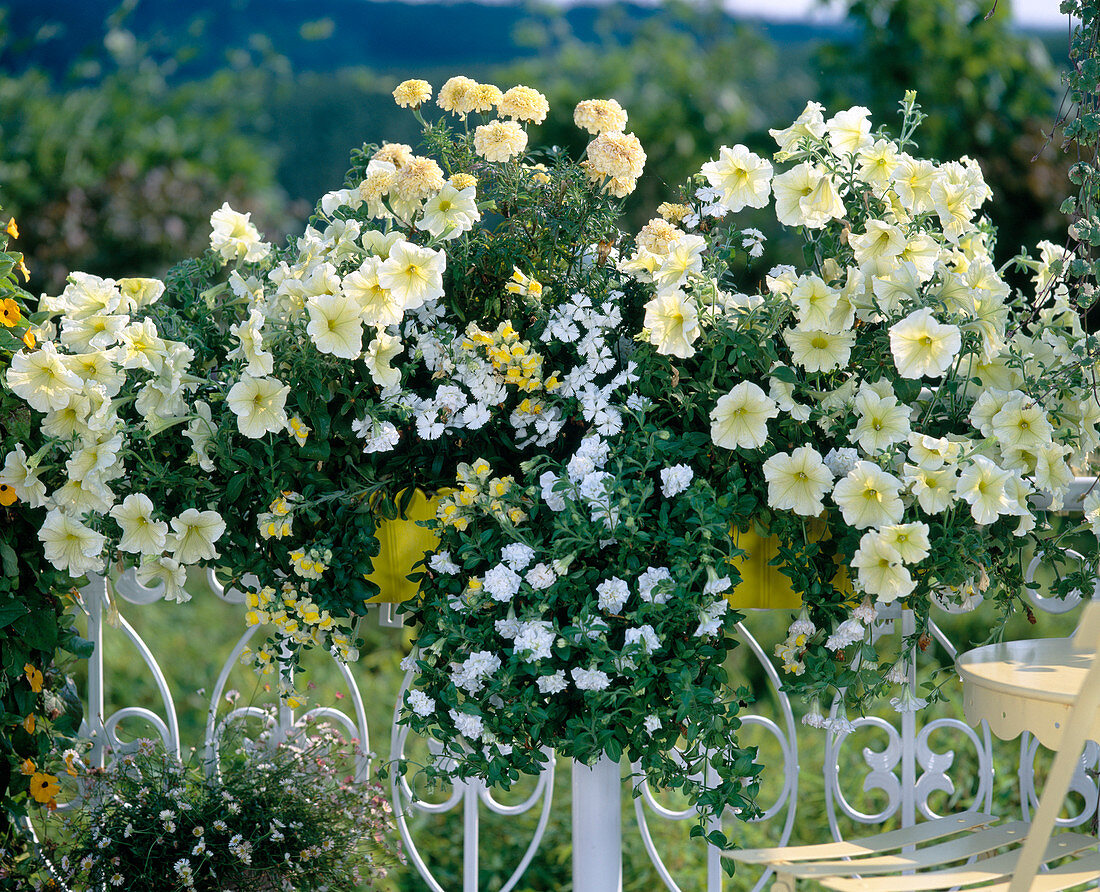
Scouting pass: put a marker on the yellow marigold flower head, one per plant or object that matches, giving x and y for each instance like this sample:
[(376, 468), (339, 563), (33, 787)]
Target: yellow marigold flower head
[(412, 93), (658, 235), (22, 267), (396, 153), (27, 768), (29, 723), (674, 213), (484, 97), (454, 95), (9, 313), (600, 116), (463, 181), (500, 140), (11, 229), (28, 339), (616, 155), (417, 179), (523, 104)]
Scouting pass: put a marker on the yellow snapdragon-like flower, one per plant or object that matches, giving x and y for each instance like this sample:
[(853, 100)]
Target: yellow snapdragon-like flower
[(523, 285)]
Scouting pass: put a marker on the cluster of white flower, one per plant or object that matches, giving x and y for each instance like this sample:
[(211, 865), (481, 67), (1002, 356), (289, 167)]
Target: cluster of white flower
[(921, 272), (99, 344)]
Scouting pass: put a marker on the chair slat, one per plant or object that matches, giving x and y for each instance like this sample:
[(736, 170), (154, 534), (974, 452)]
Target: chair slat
[(958, 849), (926, 831), (1082, 870), (999, 867)]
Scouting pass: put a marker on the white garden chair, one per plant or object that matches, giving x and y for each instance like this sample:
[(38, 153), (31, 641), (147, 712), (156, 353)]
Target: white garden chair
[(917, 858)]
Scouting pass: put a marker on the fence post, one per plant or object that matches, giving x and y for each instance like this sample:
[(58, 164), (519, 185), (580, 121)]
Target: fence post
[(597, 827)]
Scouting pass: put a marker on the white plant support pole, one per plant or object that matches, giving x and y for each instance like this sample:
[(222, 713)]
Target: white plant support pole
[(597, 827)]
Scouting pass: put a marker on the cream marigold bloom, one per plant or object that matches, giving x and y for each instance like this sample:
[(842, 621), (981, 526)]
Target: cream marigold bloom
[(923, 346), (600, 116), (869, 497), (396, 154), (819, 351), (798, 481), (380, 353), (484, 97), (259, 404), (879, 569), (42, 378), (806, 196), (417, 179), (523, 104), (235, 237), (673, 322), (413, 275), (70, 545), (377, 305), (500, 140), (616, 155), (455, 95), (140, 533), (882, 421), (740, 418), (196, 533), (658, 236), (412, 93), (335, 325), (743, 177), (451, 212)]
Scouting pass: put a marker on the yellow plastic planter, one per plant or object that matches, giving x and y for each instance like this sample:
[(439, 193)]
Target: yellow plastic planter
[(763, 586), (403, 543)]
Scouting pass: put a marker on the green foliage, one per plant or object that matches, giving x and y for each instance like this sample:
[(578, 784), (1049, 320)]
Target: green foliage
[(38, 706)]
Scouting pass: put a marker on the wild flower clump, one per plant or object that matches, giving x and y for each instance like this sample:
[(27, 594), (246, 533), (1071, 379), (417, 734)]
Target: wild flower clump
[(274, 816)]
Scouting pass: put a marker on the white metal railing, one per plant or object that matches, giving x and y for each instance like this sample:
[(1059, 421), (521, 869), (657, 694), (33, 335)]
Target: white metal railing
[(907, 769)]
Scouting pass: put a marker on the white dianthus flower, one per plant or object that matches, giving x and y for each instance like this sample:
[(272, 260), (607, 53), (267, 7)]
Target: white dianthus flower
[(848, 632), (469, 726)]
